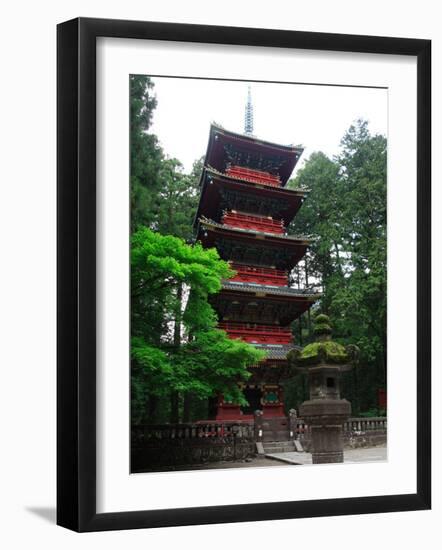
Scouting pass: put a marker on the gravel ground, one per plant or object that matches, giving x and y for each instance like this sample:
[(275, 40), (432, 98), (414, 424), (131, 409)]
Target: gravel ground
[(351, 456), (250, 463)]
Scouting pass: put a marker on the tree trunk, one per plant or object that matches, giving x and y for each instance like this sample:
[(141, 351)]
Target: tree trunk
[(177, 327), (338, 259), (174, 397), (309, 319), (187, 407), (300, 330), (152, 409), (174, 407)]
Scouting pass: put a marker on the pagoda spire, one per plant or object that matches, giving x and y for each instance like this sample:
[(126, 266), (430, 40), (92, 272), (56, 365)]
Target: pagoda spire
[(248, 115)]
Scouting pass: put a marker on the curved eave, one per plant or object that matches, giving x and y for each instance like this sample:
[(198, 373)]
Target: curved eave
[(276, 352), (301, 192), (215, 127), (216, 159), (212, 182), (248, 306), (271, 291), (271, 238)]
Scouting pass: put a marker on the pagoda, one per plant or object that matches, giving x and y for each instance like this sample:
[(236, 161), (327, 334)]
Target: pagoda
[(243, 212)]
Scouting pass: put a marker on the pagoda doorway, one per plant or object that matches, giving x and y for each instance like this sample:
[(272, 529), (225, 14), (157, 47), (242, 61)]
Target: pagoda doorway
[(254, 397)]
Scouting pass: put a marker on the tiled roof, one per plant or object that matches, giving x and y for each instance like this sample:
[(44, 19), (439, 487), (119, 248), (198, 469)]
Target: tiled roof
[(276, 351), (296, 191), (254, 139), (210, 223), (268, 289)]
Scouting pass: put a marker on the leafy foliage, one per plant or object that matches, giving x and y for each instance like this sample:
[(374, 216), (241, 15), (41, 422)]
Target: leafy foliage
[(146, 154), (205, 362), (346, 212), (176, 349), (331, 351)]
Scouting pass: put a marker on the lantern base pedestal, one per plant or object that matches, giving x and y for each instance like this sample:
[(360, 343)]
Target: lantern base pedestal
[(327, 458), (325, 418)]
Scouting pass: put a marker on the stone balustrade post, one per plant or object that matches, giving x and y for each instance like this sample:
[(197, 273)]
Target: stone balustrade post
[(293, 424), (258, 426)]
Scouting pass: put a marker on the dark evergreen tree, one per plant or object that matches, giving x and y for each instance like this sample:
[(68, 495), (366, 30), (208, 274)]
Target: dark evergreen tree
[(146, 154), (346, 213)]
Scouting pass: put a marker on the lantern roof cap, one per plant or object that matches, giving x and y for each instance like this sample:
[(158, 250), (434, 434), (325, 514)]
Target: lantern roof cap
[(324, 351)]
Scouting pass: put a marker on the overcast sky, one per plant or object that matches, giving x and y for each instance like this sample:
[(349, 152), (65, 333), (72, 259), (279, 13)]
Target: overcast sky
[(315, 116)]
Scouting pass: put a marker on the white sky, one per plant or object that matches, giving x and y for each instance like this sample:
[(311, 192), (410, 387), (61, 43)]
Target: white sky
[(315, 116)]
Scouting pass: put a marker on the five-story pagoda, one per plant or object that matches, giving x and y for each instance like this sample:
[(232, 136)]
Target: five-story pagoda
[(243, 212)]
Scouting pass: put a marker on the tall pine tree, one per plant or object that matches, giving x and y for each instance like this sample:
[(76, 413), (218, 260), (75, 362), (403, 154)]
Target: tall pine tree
[(346, 213)]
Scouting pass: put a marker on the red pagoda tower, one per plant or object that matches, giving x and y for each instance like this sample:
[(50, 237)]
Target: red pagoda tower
[(243, 212)]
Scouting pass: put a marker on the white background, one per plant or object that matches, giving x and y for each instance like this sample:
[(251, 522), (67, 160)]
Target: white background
[(116, 59), (27, 299), (288, 113)]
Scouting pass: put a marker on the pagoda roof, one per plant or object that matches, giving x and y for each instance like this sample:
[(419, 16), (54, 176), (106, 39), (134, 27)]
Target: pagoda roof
[(301, 239), (215, 172), (252, 247), (276, 351), (219, 191), (255, 153), (268, 289), (253, 306)]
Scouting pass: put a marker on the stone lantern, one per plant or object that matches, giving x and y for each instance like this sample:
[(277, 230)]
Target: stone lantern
[(325, 412)]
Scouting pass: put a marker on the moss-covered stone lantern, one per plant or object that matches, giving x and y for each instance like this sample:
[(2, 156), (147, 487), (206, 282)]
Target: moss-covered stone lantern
[(325, 412)]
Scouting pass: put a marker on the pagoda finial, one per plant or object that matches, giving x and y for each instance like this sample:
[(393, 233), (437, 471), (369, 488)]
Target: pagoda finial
[(248, 115)]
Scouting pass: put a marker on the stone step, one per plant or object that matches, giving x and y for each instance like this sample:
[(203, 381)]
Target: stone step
[(275, 435), (279, 447), (275, 429), (279, 450), (273, 438), (278, 443)]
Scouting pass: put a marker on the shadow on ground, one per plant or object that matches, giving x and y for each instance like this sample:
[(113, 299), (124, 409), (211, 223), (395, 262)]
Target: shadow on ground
[(46, 513)]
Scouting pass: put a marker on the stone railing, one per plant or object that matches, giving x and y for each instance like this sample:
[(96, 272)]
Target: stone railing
[(157, 446), (193, 431), (366, 424), (357, 432)]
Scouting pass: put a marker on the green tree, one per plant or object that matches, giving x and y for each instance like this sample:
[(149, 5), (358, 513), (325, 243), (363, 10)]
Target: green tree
[(163, 197), (176, 202), (206, 362), (360, 305), (346, 213), (319, 217), (146, 154)]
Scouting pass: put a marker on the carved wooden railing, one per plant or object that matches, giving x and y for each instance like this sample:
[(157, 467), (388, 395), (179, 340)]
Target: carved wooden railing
[(256, 176), (259, 270), (255, 223), (258, 333), (261, 275)]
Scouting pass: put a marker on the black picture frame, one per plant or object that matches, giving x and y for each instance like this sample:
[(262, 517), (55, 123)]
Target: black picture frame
[(76, 272)]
